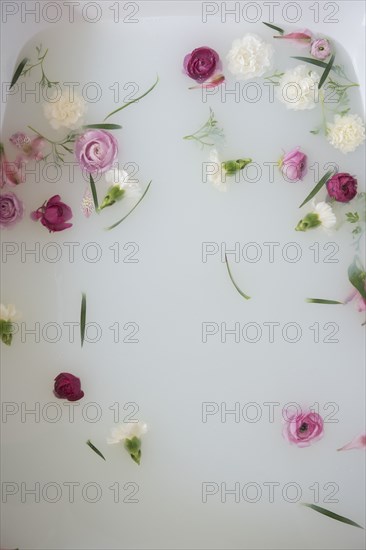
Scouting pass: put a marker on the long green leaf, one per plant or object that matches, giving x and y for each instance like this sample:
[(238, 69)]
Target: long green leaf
[(90, 444), (134, 100), (357, 276), (18, 72), (332, 515), (317, 188), (312, 61), (326, 72), (82, 318), (94, 193), (104, 126), (234, 283), (321, 301), (278, 29), (130, 212)]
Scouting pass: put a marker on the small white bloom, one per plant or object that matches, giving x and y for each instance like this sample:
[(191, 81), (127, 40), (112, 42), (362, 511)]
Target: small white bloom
[(66, 111), (298, 88), (8, 313), (326, 215), (216, 174), (127, 431), (346, 133), (249, 57), (121, 178)]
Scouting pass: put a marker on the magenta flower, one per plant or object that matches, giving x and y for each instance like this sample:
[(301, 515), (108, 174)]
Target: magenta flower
[(11, 173), (201, 63), (303, 429), (342, 187), (96, 151), (358, 442), (11, 209), (53, 214), (31, 148), (68, 386), (293, 165), (320, 49)]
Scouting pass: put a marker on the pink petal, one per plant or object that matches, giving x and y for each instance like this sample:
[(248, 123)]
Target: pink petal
[(295, 36), (215, 81), (358, 442)]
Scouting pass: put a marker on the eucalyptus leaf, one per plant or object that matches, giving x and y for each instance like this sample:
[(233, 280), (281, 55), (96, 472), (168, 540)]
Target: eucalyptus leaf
[(321, 301), (104, 126), (317, 188), (90, 444), (357, 276), (326, 72), (278, 29), (134, 100), (18, 71), (94, 193), (130, 212), (82, 318), (332, 515), (234, 283)]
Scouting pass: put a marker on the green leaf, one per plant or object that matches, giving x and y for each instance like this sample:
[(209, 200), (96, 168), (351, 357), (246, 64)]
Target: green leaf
[(278, 29), (82, 318), (326, 72), (104, 126), (312, 61), (94, 193), (130, 212), (134, 100), (234, 283), (332, 515), (357, 276), (18, 72), (317, 188), (93, 448), (321, 301)]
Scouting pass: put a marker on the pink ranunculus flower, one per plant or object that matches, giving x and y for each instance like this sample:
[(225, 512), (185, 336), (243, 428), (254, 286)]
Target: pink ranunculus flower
[(303, 428), (11, 173), (96, 151), (11, 209), (32, 149), (342, 187), (294, 165), (53, 214), (320, 48), (68, 386), (201, 63)]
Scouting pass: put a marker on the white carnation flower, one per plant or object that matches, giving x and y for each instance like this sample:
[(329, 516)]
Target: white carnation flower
[(66, 111), (249, 57), (121, 179), (127, 431), (346, 133), (8, 313), (298, 88), (218, 174), (326, 215)]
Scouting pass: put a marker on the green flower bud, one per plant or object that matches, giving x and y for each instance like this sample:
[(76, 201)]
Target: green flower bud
[(233, 166), (114, 194), (133, 447), (310, 221)]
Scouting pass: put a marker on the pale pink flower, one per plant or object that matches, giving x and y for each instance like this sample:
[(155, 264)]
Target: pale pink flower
[(303, 428)]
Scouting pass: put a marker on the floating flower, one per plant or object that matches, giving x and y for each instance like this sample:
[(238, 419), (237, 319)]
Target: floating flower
[(298, 88), (65, 111), (11, 209), (53, 214), (218, 170), (121, 186), (321, 215), (346, 132), (293, 164), (342, 187), (320, 48), (358, 442), (249, 57), (130, 435), (87, 204), (31, 148), (68, 386), (96, 151), (303, 429), (8, 314), (11, 173), (201, 63)]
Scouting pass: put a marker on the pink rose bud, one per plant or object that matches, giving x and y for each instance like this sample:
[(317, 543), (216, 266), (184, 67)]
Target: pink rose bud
[(68, 386), (299, 37), (302, 429), (201, 63), (293, 165), (11, 209), (342, 187), (320, 49), (53, 214), (96, 151)]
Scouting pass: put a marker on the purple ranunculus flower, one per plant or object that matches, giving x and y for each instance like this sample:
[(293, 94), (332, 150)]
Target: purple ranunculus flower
[(293, 165), (11, 209), (53, 214), (320, 48), (96, 151), (201, 63), (342, 187)]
